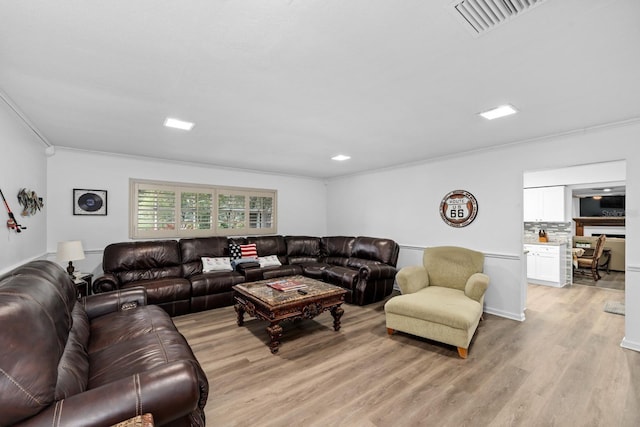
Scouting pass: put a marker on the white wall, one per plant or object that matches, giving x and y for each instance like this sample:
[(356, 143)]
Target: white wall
[(22, 165), (580, 174), (403, 204), (301, 201)]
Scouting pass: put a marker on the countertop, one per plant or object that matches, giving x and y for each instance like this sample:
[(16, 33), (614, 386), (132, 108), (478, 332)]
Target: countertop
[(535, 242)]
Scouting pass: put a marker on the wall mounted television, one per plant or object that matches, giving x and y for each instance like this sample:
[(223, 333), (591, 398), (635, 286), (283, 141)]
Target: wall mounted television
[(606, 206)]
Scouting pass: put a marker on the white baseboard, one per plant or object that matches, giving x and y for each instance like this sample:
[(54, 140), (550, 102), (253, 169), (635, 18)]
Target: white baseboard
[(513, 316), (630, 344)]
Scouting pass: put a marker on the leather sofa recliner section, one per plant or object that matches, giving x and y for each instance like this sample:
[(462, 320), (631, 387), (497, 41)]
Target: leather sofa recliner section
[(208, 289), (91, 362), (364, 266), (155, 265)]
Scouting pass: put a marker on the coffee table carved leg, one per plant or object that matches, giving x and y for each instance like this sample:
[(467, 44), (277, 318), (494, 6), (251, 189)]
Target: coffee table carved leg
[(240, 312), (275, 331), (337, 313)]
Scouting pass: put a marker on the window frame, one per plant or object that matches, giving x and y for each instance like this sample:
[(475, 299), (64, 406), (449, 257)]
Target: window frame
[(178, 188)]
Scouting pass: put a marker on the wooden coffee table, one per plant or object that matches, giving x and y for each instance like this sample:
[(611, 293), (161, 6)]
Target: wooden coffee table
[(259, 300)]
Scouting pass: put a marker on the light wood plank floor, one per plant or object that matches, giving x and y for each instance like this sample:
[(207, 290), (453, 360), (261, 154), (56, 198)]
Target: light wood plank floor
[(563, 366)]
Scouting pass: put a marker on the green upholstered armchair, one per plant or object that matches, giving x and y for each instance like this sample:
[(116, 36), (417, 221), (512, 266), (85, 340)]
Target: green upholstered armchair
[(441, 300)]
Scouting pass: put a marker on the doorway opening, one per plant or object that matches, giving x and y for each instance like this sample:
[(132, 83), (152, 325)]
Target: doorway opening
[(577, 204)]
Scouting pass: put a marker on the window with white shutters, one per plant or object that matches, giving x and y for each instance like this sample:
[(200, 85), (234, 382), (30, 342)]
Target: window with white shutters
[(165, 210)]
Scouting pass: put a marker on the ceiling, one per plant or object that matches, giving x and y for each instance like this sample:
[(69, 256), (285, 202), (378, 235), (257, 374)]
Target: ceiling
[(598, 189), (282, 86)]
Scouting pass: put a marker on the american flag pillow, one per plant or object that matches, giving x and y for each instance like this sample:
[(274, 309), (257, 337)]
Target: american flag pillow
[(234, 251), (249, 251)]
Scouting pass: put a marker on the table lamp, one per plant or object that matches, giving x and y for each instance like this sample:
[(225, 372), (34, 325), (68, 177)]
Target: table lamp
[(70, 251)]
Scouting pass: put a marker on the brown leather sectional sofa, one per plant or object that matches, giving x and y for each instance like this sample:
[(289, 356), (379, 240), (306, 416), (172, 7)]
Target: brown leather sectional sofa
[(171, 270), (91, 362)]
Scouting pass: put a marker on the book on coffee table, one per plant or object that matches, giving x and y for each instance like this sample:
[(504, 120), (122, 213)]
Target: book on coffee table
[(286, 285)]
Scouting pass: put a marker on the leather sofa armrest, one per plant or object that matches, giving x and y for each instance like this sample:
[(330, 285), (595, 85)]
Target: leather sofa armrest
[(168, 392), (412, 278), (377, 271), (109, 302), (250, 270), (476, 286), (106, 283)]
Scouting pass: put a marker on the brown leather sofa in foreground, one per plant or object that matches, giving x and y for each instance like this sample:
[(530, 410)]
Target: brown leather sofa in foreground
[(91, 362), (172, 271)]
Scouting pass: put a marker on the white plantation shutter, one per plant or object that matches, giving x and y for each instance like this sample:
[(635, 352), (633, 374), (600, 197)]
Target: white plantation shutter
[(156, 211), (231, 211), (196, 210), (260, 211), (164, 209)]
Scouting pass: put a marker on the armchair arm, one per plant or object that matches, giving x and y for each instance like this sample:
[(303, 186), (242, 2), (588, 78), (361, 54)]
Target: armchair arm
[(377, 271), (109, 302), (476, 286), (412, 278), (105, 283), (168, 392)]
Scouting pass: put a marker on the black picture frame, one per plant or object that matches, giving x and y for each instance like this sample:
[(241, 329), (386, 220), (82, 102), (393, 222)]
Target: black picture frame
[(89, 202)]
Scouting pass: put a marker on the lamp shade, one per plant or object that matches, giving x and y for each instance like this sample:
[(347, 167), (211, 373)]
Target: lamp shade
[(70, 251)]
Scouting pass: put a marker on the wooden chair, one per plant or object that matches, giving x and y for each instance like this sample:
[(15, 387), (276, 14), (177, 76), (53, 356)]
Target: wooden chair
[(590, 259)]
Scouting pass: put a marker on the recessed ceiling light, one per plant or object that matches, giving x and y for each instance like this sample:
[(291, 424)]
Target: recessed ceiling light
[(606, 190), (597, 197), (340, 157), (177, 124), (501, 111)]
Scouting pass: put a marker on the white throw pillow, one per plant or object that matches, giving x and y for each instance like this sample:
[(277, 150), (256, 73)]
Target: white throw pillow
[(216, 264), (266, 261)]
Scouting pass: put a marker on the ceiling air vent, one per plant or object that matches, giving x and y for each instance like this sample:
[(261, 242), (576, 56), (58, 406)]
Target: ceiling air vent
[(480, 16)]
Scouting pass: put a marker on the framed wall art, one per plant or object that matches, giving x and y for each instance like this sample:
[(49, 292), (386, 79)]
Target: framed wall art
[(89, 202)]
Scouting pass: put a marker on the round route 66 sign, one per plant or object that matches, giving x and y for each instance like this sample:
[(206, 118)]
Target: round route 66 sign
[(458, 208)]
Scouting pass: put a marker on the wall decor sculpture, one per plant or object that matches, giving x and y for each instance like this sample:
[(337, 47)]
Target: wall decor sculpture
[(30, 202)]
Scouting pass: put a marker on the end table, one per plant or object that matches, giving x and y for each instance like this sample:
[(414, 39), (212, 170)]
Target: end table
[(83, 283)]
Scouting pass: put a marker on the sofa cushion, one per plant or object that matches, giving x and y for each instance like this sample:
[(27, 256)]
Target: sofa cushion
[(164, 290), (377, 249), (144, 353), (214, 282), (341, 276), (73, 369), (450, 267), (337, 246), (36, 305), (313, 269), (126, 325), (302, 249), (270, 245), (192, 251), (359, 262), (445, 306), (281, 270), (134, 261)]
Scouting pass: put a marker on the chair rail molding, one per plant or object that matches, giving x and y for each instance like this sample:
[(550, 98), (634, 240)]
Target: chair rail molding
[(504, 269), (512, 257)]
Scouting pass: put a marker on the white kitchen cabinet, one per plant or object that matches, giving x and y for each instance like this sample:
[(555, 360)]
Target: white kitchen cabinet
[(544, 204), (546, 264)]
